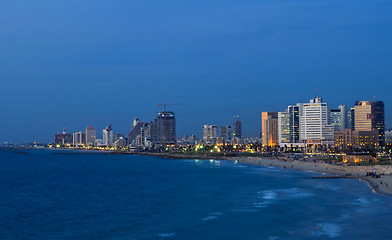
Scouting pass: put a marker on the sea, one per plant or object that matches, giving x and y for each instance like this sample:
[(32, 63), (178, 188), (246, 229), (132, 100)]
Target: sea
[(48, 194)]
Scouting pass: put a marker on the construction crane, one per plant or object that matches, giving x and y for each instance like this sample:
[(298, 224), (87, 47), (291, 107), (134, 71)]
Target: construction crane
[(165, 104)]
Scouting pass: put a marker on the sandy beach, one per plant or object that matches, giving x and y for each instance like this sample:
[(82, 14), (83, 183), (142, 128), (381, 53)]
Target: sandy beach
[(383, 184)]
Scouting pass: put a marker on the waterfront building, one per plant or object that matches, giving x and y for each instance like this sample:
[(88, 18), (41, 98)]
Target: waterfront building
[(91, 136), (108, 136), (288, 126), (237, 129), (99, 143), (349, 139), (229, 135), (63, 138), (369, 115), (315, 127), (269, 128), (140, 134), (210, 133), (119, 143), (359, 158), (163, 129), (79, 138)]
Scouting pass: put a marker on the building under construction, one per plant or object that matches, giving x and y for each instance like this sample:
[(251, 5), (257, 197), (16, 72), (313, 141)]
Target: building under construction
[(163, 129)]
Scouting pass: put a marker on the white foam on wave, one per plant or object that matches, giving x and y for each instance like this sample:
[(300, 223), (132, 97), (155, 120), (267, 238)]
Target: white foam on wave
[(344, 216), (268, 195), (166, 235), (329, 230), (273, 238), (209, 218), (363, 202), (212, 216), (291, 193), (260, 204)]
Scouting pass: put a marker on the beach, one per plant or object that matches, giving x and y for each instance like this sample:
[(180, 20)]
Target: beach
[(382, 184)]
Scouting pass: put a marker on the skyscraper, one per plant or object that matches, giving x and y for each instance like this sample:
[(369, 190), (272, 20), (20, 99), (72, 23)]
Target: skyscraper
[(108, 136), (210, 132), (139, 134), (269, 128), (351, 119), (369, 115), (223, 133), (163, 129), (288, 126), (237, 129), (315, 127), (338, 118), (91, 136), (79, 138)]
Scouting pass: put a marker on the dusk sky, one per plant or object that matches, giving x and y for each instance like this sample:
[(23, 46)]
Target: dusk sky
[(76, 63)]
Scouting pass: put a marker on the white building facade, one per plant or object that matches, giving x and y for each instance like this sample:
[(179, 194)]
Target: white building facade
[(210, 133), (315, 126)]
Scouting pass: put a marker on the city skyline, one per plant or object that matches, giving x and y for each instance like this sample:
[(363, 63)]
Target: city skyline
[(198, 133), (62, 67)]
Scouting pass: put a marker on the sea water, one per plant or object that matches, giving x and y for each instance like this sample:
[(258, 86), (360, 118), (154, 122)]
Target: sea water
[(55, 195)]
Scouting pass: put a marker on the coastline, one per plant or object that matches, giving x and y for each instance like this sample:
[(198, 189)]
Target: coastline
[(381, 185)]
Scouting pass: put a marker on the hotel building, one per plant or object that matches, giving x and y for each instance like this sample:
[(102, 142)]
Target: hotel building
[(369, 115), (269, 128), (288, 126), (315, 127)]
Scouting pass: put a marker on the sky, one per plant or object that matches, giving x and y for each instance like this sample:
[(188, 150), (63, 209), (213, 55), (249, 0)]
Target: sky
[(73, 63)]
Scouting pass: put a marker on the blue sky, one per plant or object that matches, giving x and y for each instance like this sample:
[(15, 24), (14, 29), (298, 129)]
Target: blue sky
[(75, 63)]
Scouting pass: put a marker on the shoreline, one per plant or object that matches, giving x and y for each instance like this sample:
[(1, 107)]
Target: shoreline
[(382, 185)]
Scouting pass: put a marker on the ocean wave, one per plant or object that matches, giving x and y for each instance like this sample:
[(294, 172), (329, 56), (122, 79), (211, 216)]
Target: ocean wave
[(329, 230), (166, 235), (209, 218)]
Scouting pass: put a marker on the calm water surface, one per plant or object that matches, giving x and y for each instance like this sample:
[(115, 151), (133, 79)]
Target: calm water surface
[(46, 195)]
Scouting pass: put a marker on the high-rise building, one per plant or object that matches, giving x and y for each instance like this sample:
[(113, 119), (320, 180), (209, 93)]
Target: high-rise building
[(91, 136), (229, 135), (79, 138), (223, 133), (237, 129), (163, 129), (288, 126), (369, 115), (338, 118), (269, 128), (210, 133), (139, 136), (108, 136), (315, 127), (351, 119)]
